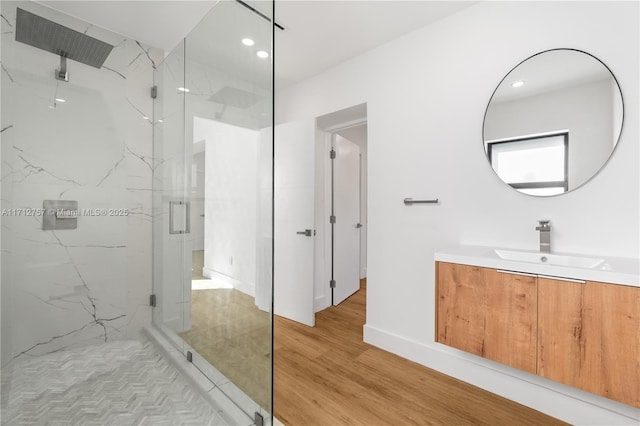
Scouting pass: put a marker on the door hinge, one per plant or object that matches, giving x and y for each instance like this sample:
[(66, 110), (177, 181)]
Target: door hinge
[(332, 219), (152, 300), (189, 356), (258, 420), (154, 92), (332, 154), (332, 283)]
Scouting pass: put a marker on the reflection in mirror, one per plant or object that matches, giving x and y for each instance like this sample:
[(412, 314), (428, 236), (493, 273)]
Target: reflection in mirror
[(553, 122)]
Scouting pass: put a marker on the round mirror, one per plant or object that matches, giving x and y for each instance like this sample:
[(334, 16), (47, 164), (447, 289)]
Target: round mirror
[(553, 122)]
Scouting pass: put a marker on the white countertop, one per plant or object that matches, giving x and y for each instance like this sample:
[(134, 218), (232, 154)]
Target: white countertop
[(615, 270)]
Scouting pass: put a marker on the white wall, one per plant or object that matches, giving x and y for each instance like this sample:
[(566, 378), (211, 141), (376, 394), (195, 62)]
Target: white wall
[(231, 179), (264, 228), (426, 94), (584, 110), (197, 197)]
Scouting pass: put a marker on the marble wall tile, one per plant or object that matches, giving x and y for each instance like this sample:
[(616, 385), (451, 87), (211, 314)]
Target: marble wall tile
[(68, 288)]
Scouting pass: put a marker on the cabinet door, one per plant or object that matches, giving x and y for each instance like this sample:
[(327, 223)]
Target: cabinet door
[(589, 337), (488, 313)]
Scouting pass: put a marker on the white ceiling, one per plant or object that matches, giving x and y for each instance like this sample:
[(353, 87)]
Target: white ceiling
[(318, 34), (322, 34)]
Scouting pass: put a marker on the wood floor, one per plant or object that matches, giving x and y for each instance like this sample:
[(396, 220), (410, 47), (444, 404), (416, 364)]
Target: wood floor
[(325, 375)]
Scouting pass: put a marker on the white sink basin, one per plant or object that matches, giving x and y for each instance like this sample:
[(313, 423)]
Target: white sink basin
[(606, 269), (550, 259)]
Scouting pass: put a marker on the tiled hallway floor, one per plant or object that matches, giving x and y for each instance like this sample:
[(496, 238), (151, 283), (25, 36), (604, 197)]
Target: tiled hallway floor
[(124, 382), (233, 335)]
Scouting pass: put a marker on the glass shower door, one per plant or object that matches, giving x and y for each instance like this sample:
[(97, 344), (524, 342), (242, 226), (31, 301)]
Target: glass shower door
[(213, 201), (169, 198)]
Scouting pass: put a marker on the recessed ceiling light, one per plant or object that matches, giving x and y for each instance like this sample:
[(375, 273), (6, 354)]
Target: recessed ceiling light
[(145, 117), (248, 42), (183, 89), (518, 83), (60, 100), (262, 54), (160, 121)]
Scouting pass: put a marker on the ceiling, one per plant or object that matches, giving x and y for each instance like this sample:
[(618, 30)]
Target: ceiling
[(318, 34), (322, 34)]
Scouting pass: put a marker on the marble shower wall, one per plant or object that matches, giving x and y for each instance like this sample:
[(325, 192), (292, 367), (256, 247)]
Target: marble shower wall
[(69, 288)]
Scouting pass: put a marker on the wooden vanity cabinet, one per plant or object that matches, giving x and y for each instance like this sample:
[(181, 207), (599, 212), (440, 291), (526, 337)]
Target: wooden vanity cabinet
[(589, 337), (488, 313), (583, 334)]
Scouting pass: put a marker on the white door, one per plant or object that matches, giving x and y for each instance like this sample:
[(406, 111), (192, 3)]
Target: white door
[(294, 221), (346, 207)]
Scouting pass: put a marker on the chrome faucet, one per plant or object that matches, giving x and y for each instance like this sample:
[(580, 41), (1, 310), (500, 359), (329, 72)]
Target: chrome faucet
[(545, 235)]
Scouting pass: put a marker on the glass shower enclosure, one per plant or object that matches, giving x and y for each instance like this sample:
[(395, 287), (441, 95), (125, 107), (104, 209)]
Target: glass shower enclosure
[(212, 197), (136, 194)]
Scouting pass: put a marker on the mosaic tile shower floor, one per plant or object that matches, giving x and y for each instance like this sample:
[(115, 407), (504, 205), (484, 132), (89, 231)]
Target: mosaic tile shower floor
[(117, 383)]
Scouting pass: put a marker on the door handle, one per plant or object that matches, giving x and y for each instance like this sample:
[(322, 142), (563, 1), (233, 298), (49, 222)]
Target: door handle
[(306, 232), (358, 225), (183, 210)]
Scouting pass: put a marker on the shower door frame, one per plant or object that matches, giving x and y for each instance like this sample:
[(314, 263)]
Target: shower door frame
[(164, 242)]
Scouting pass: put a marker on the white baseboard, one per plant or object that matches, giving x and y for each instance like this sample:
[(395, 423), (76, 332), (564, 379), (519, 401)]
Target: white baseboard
[(320, 303), (246, 288), (557, 400), (363, 272)]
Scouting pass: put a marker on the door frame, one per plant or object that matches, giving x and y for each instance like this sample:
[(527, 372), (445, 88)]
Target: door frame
[(341, 237), (322, 264)]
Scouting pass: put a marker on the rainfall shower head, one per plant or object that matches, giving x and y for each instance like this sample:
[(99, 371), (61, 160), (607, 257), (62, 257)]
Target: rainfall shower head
[(47, 35), (230, 96), (238, 98)]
